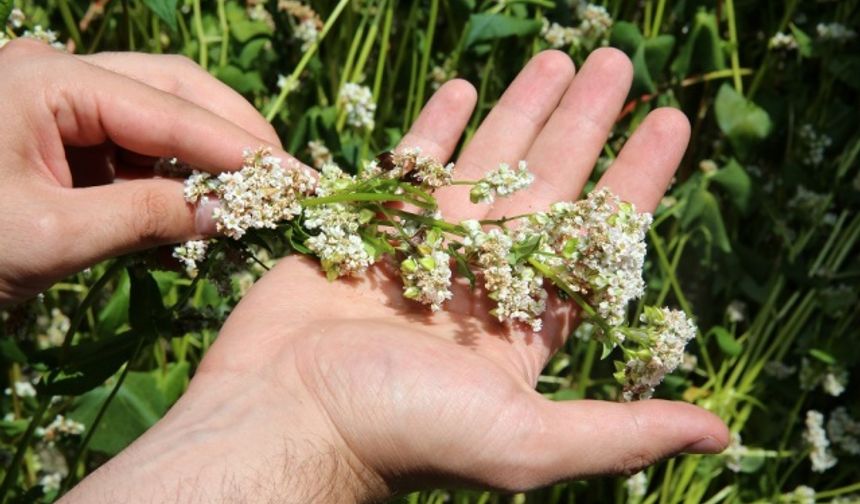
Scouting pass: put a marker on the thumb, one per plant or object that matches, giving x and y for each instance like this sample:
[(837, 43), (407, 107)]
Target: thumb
[(123, 217), (579, 439)]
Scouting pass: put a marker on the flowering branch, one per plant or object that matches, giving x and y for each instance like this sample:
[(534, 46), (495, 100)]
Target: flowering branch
[(591, 250)]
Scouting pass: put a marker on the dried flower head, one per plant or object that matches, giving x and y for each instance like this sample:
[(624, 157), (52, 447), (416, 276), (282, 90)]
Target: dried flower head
[(427, 273)]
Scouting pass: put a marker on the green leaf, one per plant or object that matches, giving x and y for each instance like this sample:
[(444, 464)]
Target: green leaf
[(642, 82), (742, 121), (737, 183), (13, 428), (10, 352), (242, 81), (251, 51), (523, 249), (626, 36), (727, 343), (804, 42), (5, 10), (486, 27), (115, 312), (244, 29), (86, 365), (703, 49), (702, 207), (657, 53), (165, 9), (138, 404), (823, 356), (146, 312)]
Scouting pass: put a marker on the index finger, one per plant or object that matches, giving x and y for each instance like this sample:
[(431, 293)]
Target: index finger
[(100, 105)]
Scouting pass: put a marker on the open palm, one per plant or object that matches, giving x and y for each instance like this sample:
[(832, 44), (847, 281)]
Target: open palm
[(415, 398)]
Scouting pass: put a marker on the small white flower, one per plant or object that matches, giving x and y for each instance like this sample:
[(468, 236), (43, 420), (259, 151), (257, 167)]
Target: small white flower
[(427, 274), (834, 382), (357, 101), (779, 370), (502, 181), (51, 482), (844, 431), (736, 311), (17, 18), (190, 254), (320, 154), (783, 42), (800, 495), (668, 331), (637, 486), (835, 32), (816, 437), (735, 453)]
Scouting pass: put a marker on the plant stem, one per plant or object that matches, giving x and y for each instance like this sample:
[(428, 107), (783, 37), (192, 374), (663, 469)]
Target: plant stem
[(733, 42), (202, 41), (306, 58), (425, 58), (71, 26)]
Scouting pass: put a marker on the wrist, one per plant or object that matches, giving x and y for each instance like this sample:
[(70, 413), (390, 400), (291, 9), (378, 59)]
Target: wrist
[(223, 442)]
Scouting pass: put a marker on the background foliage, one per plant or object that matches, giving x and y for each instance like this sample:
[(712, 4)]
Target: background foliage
[(758, 238)]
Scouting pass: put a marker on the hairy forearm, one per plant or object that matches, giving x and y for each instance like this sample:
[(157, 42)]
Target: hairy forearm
[(212, 450)]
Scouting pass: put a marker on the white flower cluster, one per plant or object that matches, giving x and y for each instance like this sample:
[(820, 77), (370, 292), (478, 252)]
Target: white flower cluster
[(190, 254), (440, 74), (338, 244), (47, 36), (320, 154), (800, 495), (595, 24), (815, 144), (836, 32), (834, 382), (844, 431), (309, 23), (597, 247), (595, 21), (23, 388), (502, 181), (52, 329), (736, 311), (260, 195), (517, 289), (806, 200), (16, 18), (778, 370), (668, 332), (59, 427), (50, 482), (357, 101), (636, 486), (820, 455), (425, 169), (735, 453), (558, 36), (782, 42), (427, 274)]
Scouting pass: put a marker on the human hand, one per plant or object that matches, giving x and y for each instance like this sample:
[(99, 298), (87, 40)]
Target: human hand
[(70, 122), (345, 391)]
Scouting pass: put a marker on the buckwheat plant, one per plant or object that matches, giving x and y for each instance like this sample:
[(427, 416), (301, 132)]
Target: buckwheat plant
[(592, 251)]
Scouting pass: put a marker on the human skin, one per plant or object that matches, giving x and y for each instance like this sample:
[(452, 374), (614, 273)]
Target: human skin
[(343, 391)]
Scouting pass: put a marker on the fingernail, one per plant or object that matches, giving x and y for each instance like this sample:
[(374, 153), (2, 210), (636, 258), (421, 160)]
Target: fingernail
[(204, 221), (705, 445)]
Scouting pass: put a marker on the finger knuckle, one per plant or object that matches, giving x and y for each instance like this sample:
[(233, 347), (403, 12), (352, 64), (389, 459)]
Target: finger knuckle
[(151, 224), (634, 462), (22, 48)]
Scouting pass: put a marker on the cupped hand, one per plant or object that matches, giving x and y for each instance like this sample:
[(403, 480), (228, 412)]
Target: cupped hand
[(320, 391), (73, 125)]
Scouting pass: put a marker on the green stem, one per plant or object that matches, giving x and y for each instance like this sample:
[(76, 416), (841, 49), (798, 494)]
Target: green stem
[(91, 429), (425, 58), (203, 54), (350, 197), (306, 58), (733, 42), (71, 26), (225, 33)]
